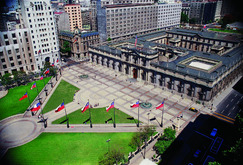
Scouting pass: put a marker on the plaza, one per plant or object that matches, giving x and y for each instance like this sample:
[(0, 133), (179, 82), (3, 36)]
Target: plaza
[(101, 87)]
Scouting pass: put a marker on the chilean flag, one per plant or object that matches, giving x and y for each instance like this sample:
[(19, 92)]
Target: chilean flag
[(60, 107), (41, 78), (33, 86), (52, 64), (39, 51), (111, 106), (135, 105), (160, 105), (47, 71), (23, 97), (57, 60), (204, 26), (35, 107), (85, 108)]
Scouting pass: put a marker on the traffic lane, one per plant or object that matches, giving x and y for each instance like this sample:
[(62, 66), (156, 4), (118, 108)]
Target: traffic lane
[(229, 106)]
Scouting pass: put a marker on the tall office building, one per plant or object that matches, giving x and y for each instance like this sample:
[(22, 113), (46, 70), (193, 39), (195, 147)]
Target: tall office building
[(119, 18), (74, 13), (37, 16)]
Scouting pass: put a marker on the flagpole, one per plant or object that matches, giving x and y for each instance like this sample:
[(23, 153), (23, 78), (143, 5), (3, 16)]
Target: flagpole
[(138, 116), (66, 115), (161, 125), (90, 116), (114, 114), (28, 97)]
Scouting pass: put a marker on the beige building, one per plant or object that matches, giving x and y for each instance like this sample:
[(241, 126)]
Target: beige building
[(16, 52), (74, 13)]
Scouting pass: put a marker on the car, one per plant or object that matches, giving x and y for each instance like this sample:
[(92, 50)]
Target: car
[(196, 154), (214, 132), (193, 109)]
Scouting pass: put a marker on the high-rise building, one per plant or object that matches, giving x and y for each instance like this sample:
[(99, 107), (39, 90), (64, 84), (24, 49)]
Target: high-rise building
[(37, 16), (74, 13), (118, 18)]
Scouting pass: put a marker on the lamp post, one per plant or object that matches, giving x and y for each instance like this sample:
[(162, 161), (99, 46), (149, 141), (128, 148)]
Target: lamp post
[(108, 144)]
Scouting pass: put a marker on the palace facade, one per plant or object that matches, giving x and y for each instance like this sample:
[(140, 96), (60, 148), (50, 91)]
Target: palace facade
[(194, 64)]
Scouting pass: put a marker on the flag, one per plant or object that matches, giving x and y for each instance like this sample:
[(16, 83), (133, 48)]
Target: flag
[(47, 71), (60, 107), (75, 40), (41, 78), (33, 86), (111, 106), (23, 97), (160, 105), (85, 108), (135, 105), (39, 51), (136, 40), (204, 26), (57, 60), (36, 107), (52, 64)]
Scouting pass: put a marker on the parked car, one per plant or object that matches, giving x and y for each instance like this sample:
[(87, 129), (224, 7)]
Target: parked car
[(193, 109), (196, 154), (214, 132)]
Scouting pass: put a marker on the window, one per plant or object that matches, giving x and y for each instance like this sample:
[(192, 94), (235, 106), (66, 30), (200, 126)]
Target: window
[(3, 60), (11, 58), (5, 36), (9, 51)]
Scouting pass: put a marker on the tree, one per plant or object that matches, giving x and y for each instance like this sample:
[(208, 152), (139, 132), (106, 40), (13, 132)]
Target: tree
[(6, 80), (115, 156), (109, 39), (169, 134), (66, 47), (136, 141), (214, 163), (192, 20), (142, 136), (20, 77), (184, 18), (165, 140), (162, 145)]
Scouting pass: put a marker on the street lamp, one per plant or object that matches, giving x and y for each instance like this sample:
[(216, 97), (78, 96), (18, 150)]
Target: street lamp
[(108, 144), (148, 117)]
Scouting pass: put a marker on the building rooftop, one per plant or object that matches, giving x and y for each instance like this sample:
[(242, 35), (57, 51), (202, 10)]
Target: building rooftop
[(82, 34), (206, 34)]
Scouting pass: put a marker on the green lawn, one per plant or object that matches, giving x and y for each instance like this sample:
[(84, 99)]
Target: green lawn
[(64, 91), (10, 104), (98, 116), (67, 148)]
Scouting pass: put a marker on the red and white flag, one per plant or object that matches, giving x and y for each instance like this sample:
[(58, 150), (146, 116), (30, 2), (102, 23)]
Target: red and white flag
[(23, 97), (85, 108), (60, 107), (111, 106), (33, 86), (36, 107), (160, 105), (135, 105)]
